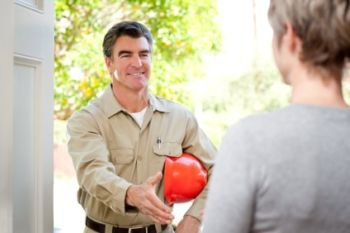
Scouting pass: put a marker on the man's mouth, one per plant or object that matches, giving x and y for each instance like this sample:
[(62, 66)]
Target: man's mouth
[(136, 74)]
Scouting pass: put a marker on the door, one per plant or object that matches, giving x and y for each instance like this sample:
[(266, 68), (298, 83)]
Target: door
[(26, 105)]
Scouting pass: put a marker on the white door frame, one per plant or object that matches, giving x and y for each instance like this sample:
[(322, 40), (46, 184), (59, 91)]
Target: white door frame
[(26, 57), (6, 106)]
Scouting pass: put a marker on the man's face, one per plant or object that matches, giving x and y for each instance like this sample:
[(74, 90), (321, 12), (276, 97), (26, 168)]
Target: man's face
[(130, 64)]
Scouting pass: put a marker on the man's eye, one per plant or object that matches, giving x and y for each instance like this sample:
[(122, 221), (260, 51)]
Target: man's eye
[(124, 55), (144, 54)]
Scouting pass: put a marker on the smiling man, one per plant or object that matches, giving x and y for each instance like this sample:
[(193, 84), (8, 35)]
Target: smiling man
[(119, 144)]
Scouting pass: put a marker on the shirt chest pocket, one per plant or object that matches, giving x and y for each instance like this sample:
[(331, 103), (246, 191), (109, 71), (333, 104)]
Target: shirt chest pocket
[(122, 158), (172, 149)]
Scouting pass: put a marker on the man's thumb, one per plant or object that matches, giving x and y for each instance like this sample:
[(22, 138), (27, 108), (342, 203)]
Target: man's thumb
[(154, 180)]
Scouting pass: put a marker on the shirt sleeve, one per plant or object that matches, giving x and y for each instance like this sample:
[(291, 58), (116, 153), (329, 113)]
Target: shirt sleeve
[(197, 143), (230, 206), (90, 155)]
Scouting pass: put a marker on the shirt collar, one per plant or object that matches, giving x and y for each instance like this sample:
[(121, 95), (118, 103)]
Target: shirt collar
[(158, 104), (111, 105)]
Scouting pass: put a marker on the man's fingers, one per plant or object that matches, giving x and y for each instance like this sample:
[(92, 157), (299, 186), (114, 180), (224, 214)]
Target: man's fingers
[(161, 212), (154, 180), (160, 220), (157, 203), (151, 205)]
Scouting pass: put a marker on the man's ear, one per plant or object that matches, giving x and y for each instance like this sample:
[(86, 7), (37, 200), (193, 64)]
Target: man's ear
[(291, 38), (109, 64)]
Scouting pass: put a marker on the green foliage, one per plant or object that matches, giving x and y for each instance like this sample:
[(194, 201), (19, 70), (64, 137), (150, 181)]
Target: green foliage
[(258, 89), (183, 31)]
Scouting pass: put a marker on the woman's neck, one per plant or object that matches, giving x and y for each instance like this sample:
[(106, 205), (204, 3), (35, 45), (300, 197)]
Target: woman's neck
[(312, 89)]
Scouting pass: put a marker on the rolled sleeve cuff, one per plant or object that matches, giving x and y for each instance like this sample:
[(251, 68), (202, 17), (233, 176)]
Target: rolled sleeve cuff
[(197, 209), (118, 203)]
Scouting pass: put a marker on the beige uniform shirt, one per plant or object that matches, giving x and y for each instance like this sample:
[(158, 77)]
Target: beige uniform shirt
[(110, 151)]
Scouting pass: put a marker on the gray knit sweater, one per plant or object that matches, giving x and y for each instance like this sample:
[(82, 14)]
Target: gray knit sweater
[(283, 172)]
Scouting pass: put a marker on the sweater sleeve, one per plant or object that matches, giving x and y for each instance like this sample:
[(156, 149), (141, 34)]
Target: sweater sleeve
[(230, 206)]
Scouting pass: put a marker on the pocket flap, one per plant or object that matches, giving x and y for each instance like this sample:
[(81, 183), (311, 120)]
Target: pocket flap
[(122, 156), (172, 149)]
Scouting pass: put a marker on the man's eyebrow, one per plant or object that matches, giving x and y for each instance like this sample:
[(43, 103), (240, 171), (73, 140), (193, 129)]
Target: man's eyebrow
[(122, 52), (127, 52), (145, 51)]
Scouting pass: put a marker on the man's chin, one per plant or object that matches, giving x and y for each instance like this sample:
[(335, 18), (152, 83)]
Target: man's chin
[(139, 88)]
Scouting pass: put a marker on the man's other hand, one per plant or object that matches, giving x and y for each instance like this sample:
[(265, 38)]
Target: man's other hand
[(188, 224)]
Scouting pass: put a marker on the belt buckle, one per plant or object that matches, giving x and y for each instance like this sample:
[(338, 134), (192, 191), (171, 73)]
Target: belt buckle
[(135, 228)]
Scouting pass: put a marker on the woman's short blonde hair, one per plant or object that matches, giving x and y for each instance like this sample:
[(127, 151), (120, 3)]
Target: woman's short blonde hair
[(322, 25)]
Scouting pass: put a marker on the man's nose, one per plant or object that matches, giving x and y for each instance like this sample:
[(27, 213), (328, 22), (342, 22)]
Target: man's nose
[(136, 61)]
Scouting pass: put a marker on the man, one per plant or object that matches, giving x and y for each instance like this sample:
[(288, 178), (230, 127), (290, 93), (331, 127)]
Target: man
[(288, 171), (120, 141)]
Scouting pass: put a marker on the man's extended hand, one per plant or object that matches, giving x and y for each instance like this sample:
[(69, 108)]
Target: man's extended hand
[(188, 224), (144, 198)]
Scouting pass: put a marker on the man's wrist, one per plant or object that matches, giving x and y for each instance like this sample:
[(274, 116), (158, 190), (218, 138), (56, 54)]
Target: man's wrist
[(128, 196), (193, 218)]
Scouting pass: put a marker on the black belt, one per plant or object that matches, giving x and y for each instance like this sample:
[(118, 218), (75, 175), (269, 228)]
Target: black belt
[(100, 228)]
